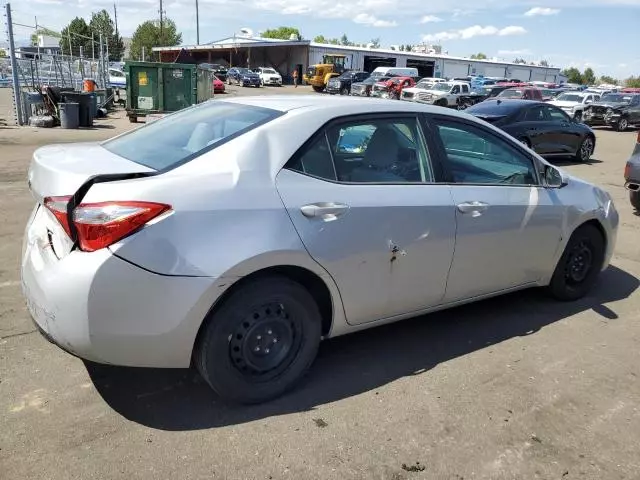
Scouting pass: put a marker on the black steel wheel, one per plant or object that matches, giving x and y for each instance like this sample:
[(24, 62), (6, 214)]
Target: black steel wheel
[(260, 341), (580, 264)]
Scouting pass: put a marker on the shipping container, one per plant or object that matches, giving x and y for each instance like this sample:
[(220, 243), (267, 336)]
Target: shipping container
[(154, 87)]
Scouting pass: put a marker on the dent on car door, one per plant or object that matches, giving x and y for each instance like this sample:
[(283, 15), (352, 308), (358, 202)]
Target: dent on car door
[(508, 227), (361, 195)]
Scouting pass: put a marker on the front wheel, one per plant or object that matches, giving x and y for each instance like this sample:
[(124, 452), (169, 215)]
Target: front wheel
[(634, 198), (579, 265), (441, 103), (318, 89), (344, 91), (622, 125), (261, 341), (585, 150)]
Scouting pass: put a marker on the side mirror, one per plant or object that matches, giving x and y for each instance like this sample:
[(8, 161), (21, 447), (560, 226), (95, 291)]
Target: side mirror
[(554, 178)]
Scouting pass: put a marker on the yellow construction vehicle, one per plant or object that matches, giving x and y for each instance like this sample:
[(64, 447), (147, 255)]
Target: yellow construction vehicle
[(318, 75)]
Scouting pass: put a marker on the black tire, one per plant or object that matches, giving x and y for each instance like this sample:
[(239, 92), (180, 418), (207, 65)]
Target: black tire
[(318, 89), (579, 265), (133, 119), (441, 103), (578, 117), (585, 150), (233, 353), (622, 124), (344, 91), (634, 198)]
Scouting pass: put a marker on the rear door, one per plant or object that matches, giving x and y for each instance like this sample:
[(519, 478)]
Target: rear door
[(536, 128), (563, 132), (364, 198)]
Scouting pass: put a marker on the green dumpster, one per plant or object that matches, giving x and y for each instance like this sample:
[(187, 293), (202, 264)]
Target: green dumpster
[(155, 87)]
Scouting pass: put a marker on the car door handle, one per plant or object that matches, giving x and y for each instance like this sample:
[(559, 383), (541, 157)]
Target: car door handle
[(324, 210), (475, 208)]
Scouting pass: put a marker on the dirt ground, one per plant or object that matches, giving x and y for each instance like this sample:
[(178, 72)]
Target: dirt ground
[(519, 387)]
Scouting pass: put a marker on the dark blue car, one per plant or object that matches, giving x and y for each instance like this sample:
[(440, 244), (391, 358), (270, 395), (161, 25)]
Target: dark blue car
[(243, 76)]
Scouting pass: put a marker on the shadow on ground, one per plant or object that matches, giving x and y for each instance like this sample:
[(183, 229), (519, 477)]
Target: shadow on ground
[(353, 364)]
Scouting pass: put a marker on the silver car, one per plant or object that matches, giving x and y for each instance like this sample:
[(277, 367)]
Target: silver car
[(235, 235)]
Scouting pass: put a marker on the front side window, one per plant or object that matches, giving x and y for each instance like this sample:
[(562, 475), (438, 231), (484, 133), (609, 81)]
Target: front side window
[(555, 114), (534, 114), (476, 156), (371, 151)]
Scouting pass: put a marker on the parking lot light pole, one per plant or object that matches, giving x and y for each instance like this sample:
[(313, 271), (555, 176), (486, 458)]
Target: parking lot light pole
[(197, 24)]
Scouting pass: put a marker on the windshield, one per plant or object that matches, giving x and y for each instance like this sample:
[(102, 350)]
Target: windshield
[(570, 97), (244, 71), (371, 80), (425, 85), (511, 93), (269, 70), (442, 87), (616, 98), (182, 136)]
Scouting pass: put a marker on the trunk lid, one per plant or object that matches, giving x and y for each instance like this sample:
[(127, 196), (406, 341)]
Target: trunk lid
[(58, 170)]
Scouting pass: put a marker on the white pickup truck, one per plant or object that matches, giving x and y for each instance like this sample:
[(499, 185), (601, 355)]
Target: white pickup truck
[(446, 94)]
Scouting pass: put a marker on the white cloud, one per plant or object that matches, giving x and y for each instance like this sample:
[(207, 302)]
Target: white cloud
[(541, 11), (473, 31), (524, 51), (366, 19), (430, 19)]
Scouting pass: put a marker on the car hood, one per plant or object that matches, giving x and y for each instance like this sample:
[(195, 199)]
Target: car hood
[(559, 103), (613, 105), (415, 90), (435, 92), (271, 75)]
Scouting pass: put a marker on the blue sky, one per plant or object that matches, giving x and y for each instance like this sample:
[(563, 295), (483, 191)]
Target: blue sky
[(602, 34)]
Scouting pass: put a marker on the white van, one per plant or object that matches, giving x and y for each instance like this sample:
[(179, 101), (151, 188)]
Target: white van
[(395, 71)]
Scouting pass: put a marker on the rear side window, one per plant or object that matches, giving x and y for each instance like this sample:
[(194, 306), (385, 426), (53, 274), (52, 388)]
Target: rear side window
[(185, 135)]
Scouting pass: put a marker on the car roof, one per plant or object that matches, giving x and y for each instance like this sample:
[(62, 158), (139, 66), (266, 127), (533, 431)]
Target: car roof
[(337, 106)]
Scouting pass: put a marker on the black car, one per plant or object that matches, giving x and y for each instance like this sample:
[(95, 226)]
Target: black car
[(219, 71), (544, 128), (243, 76), (632, 176), (617, 110), (364, 88), (342, 84)]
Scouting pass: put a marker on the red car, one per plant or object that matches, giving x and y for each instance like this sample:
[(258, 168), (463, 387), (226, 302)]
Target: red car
[(392, 88), (218, 85), (524, 93)]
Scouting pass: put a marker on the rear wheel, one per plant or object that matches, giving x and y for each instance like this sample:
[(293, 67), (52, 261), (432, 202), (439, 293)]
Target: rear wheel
[(261, 341), (344, 91), (441, 103), (634, 198), (318, 89), (622, 125), (580, 264), (585, 150)]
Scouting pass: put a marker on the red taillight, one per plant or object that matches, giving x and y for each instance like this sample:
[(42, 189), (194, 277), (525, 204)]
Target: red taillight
[(58, 206), (627, 171), (102, 224), (99, 225)]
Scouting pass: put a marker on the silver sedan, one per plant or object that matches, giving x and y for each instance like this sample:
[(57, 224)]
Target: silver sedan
[(236, 234)]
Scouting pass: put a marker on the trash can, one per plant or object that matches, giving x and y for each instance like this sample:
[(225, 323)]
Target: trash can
[(84, 106), (93, 104), (69, 115)]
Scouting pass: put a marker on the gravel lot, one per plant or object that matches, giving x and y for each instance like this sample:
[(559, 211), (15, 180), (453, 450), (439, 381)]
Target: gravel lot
[(519, 387)]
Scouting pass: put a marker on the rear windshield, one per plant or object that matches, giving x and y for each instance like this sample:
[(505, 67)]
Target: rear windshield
[(185, 135)]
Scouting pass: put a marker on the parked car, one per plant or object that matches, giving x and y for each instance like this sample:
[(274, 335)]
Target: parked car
[(392, 88), (544, 128), (126, 258), (574, 103), (218, 85), (243, 76), (342, 84), (446, 94), (523, 93), (632, 176), (219, 70), (268, 76), (364, 88), (420, 92), (617, 110), (117, 78)]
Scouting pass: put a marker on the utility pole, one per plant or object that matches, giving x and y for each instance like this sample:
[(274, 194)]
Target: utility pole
[(161, 25), (14, 67), (117, 38), (197, 24)]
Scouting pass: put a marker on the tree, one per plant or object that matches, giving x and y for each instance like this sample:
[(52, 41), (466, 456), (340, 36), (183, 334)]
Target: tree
[(479, 56), (408, 48), (78, 34), (392, 47), (283, 33), (148, 35), (344, 40), (320, 39), (632, 82), (520, 61), (101, 23), (375, 42), (42, 31), (3, 53), (573, 75), (588, 76), (608, 79), (543, 63)]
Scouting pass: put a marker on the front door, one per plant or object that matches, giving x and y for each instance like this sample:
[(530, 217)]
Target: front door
[(362, 197), (564, 134), (508, 226)]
